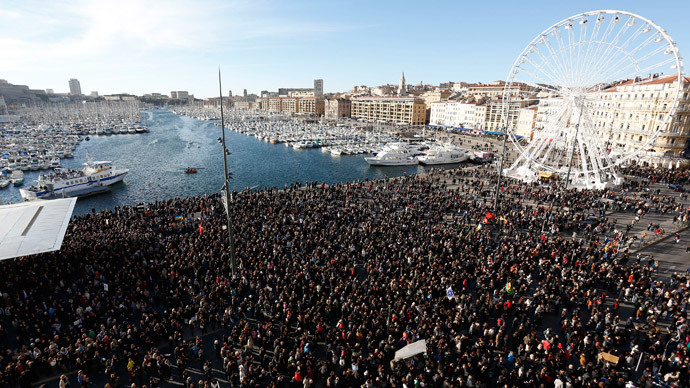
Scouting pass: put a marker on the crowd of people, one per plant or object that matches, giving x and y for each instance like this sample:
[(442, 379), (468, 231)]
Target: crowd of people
[(333, 280)]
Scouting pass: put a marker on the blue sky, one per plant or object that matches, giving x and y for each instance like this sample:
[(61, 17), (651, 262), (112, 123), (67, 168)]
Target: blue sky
[(158, 46)]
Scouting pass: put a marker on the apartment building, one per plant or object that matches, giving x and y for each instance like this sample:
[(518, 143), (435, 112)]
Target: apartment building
[(452, 114), (628, 114), (337, 108), (402, 110)]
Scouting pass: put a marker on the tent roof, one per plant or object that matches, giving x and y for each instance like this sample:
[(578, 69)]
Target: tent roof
[(29, 228)]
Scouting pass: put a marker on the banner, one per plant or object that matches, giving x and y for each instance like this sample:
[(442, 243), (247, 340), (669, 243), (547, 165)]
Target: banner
[(410, 350)]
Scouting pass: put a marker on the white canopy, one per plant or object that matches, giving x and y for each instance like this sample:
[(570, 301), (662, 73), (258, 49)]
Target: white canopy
[(411, 350), (29, 228)]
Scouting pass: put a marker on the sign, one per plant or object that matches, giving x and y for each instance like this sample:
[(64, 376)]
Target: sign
[(608, 357), (410, 350)]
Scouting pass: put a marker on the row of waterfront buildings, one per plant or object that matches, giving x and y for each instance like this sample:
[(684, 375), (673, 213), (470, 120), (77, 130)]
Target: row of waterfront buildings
[(624, 115)]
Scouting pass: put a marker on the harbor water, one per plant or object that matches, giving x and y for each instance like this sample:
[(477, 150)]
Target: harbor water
[(157, 161)]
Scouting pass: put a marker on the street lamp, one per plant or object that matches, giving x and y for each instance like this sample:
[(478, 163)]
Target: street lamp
[(500, 170), (226, 185)]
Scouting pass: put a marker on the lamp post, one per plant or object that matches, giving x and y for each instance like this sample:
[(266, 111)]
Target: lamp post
[(572, 152), (226, 185), (500, 170)]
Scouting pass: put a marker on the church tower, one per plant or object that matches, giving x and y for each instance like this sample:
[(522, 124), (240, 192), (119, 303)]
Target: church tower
[(402, 90)]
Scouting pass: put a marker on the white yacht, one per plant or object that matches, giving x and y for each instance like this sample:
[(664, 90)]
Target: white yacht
[(95, 177), (395, 154), (55, 162), (443, 154)]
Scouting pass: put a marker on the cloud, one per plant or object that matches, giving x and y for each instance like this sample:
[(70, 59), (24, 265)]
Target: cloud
[(107, 39)]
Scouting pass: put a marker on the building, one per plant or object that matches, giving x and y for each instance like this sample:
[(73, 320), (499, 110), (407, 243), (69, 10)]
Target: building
[(74, 87), (496, 89), (94, 94), (337, 108), (496, 110), (302, 93), (456, 114), (181, 95), (275, 104), (479, 121), (290, 105), (398, 110), (50, 91), (16, 94), (285, 92), (311, 106), (244, 105), (402, 88), (318, 88), (527, 118), (627, 115)]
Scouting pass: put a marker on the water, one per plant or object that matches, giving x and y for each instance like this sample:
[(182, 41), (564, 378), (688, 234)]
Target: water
[(157, 160)]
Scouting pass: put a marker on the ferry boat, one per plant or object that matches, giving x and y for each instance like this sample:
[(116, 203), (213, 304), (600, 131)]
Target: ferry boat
[(95, 177)]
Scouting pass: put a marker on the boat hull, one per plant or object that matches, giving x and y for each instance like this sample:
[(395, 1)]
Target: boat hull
[(434, 162), (77, 190), (383, 162)]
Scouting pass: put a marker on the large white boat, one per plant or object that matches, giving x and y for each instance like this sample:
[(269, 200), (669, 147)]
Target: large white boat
[(95, 177), (443, 154), (395, 154)]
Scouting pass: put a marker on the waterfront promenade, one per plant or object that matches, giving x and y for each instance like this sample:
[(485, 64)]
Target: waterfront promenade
[(335, 278)]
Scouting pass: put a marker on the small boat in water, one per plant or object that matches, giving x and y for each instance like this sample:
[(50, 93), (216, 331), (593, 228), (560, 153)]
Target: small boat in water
[(17, 178), (4, 182), (190, 170)]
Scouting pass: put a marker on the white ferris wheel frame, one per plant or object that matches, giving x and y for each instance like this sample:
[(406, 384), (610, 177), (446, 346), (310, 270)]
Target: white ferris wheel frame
[(675, 62)]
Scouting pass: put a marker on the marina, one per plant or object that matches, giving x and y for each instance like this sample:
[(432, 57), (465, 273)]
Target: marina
[(157, 160)]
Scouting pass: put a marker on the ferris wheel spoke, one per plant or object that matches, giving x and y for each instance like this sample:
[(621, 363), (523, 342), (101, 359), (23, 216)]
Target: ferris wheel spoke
[(539, 67), (590, 48), (581, 53), (565, 63), (562, 81), (555, 58), (612, 48), (621, 54), (601, 44), (625, 73), (599, 150), (544, 83)]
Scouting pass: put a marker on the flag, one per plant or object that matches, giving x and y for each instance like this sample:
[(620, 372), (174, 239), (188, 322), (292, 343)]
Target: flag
[(490, 216), (449, 293), (479, 226), (509, 288), (179, 217), (201, 228), (503, 219)]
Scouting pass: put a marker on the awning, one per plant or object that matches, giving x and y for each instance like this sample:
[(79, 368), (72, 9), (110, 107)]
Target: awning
[(492, 133), (29, 228)]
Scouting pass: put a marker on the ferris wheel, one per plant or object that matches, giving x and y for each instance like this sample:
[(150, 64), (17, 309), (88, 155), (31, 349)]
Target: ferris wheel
[(602, 85)]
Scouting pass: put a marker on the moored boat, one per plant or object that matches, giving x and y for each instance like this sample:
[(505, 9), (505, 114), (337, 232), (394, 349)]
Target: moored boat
[(95, 177)]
